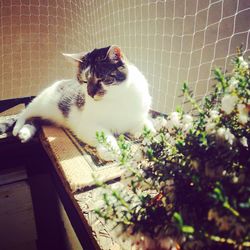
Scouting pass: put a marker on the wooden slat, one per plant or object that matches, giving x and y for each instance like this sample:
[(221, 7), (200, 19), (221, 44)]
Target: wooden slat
[(105, 232), (16, 215), (29, 245), (74, 172), (79, 222), (11, 175), (74, 163)]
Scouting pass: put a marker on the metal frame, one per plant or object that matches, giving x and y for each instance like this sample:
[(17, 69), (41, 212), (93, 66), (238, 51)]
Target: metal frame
[(10, 103)]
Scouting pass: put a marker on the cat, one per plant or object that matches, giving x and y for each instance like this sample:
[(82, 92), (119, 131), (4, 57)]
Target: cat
[(109, 94)]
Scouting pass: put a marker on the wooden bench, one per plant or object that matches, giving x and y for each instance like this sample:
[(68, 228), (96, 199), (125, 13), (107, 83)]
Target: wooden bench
[(72, 170), (74, 166)]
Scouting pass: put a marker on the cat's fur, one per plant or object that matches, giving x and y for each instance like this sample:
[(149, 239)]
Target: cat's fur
[(109, 94)]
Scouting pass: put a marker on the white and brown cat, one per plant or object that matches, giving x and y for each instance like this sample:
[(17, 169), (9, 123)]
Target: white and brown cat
[(109, 94)]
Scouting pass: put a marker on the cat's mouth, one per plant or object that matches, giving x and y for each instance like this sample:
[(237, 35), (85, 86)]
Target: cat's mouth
[(98, 97)]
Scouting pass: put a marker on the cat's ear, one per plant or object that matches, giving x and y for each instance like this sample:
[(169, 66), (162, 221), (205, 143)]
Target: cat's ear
[(75, 57), (115, 54)]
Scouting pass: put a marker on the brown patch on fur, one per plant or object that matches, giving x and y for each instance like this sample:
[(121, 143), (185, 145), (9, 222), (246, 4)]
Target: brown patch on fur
[(79, 100), (79, 78), (71, 95)]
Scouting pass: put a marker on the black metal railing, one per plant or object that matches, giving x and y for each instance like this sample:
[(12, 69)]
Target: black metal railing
[(10, 103)]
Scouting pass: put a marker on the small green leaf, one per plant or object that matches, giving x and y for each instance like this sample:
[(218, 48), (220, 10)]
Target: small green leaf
[(187, 229), (185, 87), (179, 109), (219, 195), (178, 218), (203, 138), (106, 199), (150, 152)]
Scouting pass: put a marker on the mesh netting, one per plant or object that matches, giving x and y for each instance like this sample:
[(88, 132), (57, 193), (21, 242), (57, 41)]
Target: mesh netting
[(170, 41)]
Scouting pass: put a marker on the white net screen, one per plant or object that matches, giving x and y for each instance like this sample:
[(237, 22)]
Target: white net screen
[(170, 41)]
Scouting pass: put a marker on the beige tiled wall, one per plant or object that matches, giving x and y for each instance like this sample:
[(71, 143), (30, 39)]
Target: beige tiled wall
[(171, 41), (33, 34)]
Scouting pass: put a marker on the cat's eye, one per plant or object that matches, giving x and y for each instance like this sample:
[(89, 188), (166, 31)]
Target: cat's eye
[(100, 58), (109, 80)]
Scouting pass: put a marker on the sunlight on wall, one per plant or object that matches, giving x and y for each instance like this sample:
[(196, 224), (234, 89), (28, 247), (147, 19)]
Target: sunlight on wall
[(171, 41)]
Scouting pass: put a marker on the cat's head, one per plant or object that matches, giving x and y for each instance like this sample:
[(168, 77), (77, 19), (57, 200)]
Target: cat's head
[(100, 69)]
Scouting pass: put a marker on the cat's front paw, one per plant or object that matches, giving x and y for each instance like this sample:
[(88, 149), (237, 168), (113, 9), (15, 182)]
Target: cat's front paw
[(26, 133), (107, 154)]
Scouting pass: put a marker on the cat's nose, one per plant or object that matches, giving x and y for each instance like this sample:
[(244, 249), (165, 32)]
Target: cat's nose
[(93, 87)]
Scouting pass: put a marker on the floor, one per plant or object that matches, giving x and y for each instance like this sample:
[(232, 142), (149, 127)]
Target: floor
[(29, 208)]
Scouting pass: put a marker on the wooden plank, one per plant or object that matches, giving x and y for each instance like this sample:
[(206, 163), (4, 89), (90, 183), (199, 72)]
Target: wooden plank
[(14, 110), (14, 153), (30, 245), (11, 175), (77, 219), (70, 238), (73, 162), (16, 215), (11, 106), (46, 210), (72, 170), (105, 232)]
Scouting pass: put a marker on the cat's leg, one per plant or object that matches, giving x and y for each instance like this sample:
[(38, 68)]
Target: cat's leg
[(34, 109), (108, 151), (42, 106), (27, 113), (19, 124), (27, 132)]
